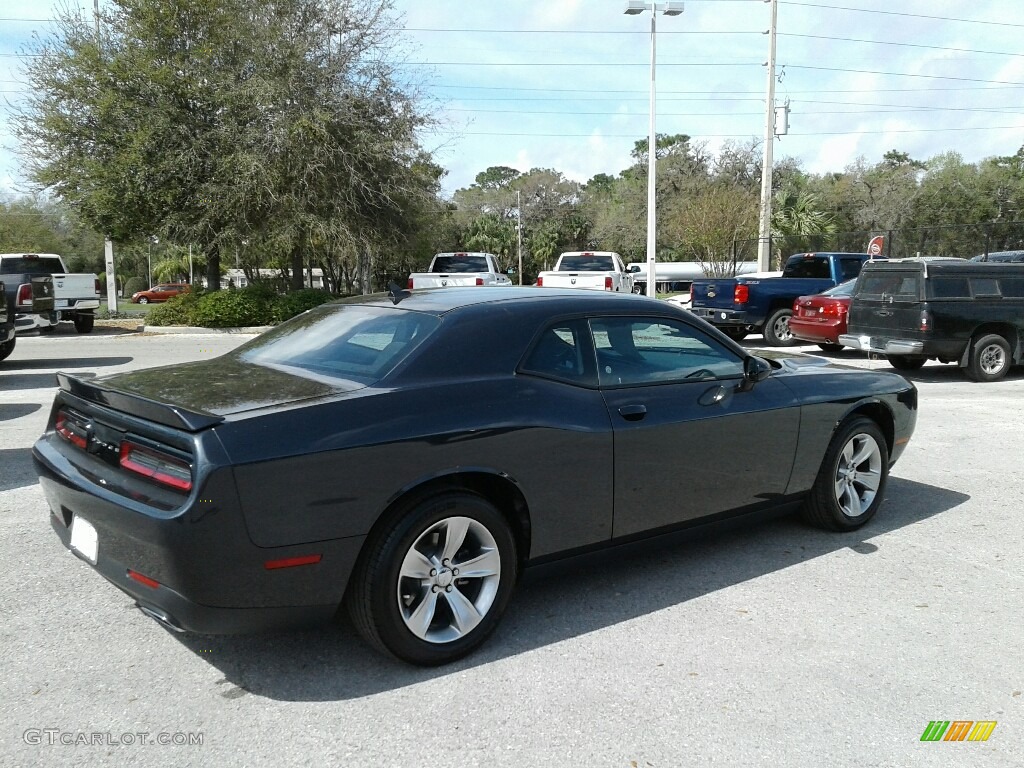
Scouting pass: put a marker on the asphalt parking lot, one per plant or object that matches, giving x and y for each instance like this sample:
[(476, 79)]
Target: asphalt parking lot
[(771, 643)]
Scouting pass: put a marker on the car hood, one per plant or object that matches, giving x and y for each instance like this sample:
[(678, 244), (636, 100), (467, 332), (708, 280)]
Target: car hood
[(222, 386)]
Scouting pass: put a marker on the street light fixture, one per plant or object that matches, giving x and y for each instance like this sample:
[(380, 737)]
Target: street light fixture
[(634, 8)]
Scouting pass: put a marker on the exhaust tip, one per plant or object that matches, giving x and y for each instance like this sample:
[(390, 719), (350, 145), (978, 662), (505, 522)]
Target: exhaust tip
[(160, 616)]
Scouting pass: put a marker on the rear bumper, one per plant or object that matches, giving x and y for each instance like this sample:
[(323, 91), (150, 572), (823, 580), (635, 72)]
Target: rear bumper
[(31, 322), (819, 332), (882, 346), (735, 317), (202, 571)]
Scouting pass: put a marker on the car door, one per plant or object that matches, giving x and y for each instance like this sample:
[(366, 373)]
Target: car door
[(690, 438)]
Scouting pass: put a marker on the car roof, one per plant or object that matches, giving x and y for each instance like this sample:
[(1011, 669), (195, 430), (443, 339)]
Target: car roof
[(443, 300)]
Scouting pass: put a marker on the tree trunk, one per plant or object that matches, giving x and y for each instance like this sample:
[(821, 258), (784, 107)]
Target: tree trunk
[(295, 281), (213, 268)]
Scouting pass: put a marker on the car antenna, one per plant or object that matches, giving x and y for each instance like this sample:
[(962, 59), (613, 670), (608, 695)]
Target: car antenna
[(397, 293)]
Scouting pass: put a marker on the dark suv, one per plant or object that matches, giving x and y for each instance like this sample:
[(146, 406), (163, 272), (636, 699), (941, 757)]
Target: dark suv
[(966, 312)]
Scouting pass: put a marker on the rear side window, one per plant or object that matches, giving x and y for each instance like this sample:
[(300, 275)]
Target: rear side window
[(985, 286), (887, 285), (561, 353), (948, 288), (1013, 287), (849, 268)]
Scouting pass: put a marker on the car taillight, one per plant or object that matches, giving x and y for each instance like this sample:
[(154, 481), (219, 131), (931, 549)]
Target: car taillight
[(540, 282), (70, 430), (741, 294), (608, 283), (97, 286), (156, 465), (926, 320), (691, 293), (409, 285), (479, 281), (24, 295)]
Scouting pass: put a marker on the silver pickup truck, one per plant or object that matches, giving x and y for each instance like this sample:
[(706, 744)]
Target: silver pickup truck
[(76, 297)]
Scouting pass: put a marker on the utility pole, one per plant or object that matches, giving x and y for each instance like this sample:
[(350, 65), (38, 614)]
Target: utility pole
[(764, 229), (519, 233)]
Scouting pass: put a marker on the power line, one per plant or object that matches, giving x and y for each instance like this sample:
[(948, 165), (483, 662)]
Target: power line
[(901, 74), (900, 13), (902, 45), (734, 135)]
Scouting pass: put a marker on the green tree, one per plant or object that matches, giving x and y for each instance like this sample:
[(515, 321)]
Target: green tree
[(217, 122)]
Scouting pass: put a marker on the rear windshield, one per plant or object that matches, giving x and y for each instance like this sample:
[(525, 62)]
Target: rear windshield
[(353, 343), (459, 263), (586, 263), (31, 265), (886, 284), (807, 266)]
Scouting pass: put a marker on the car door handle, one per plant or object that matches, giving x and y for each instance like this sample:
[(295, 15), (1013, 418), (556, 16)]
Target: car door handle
[(633, 412)]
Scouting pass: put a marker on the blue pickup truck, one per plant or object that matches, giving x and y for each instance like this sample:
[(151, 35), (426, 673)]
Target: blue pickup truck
[(740, 305)]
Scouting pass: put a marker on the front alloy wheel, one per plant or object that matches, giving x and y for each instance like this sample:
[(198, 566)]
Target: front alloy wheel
[(851, 482)]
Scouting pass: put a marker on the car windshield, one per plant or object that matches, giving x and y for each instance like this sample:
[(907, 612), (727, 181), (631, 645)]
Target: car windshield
[(587, 262), (460, 263), (343, 342)]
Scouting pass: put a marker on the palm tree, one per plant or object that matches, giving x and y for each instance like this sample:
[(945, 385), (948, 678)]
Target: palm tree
[(799, 223)]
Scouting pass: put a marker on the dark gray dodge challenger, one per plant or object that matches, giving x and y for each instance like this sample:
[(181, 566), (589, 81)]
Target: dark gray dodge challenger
[(405, 456)]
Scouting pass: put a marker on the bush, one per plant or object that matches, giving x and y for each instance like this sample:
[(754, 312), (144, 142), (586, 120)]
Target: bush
[(297, 302), (175, 311), (254, 305), (133, 285)]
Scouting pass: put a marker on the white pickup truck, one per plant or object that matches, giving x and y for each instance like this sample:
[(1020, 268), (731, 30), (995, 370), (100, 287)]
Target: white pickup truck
[(448, 270), (76, 297), (596, 270)]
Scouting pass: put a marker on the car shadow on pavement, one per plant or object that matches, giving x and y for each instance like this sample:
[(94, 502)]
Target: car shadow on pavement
[(16, 468), (21, 381), (558, 602)]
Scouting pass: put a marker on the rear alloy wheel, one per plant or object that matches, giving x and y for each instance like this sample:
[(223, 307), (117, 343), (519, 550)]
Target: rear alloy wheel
[(831, 347), (905, 362), (432, 588), (851, 482), (7, 347), (735, 332), (84, 323), (143, 300), (776, 330), (990, 358)]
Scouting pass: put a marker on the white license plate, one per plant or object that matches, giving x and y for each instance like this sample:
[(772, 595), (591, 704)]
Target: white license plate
[(84, 539)]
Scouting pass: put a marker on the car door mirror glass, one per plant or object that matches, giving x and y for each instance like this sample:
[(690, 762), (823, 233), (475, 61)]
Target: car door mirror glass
[(756, 369)]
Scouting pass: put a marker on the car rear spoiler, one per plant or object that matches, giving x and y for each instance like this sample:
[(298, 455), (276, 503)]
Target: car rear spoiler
[(136, 405)]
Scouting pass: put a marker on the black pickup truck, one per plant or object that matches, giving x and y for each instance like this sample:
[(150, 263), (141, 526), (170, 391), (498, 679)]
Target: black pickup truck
[(955, 311)]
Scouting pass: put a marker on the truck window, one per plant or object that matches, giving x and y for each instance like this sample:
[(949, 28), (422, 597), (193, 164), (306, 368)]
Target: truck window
[(885, 284), (31, 265), (586, 262), (985, 286), (459, 263), (1013, 287), (807, 266), (849, 269), (948, 288)]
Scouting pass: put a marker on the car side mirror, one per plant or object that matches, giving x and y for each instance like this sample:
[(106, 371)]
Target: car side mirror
[(510, 271), (634, 269), (755, 369)]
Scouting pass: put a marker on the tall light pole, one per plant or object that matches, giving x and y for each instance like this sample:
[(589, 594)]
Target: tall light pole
[(764, 229), (634, 8)]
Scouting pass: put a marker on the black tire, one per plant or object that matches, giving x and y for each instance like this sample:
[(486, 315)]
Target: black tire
[(831, 347), (7, 348), (906, 362), (384, 604), (989, 359), (143, 300), (84, 323), (735, 332), (851, 482), (776, 329)]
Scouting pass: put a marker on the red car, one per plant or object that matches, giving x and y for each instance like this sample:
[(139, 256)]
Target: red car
[(822, 317), (161, 292)]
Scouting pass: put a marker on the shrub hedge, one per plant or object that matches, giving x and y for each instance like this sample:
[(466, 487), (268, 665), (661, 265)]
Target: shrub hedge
[(134, 285), (253, 305)]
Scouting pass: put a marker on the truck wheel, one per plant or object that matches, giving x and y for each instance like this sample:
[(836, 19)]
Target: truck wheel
[(84, 323), (990, 358), (639, 289), (776, 330), (7, 347), (905, 362)]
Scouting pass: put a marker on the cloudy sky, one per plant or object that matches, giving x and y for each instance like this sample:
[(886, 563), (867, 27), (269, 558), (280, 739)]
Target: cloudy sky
[(563, 84)]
